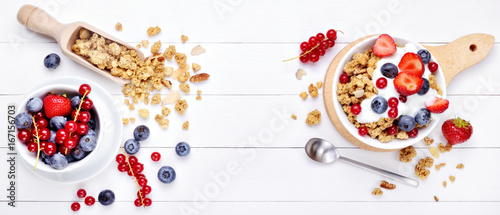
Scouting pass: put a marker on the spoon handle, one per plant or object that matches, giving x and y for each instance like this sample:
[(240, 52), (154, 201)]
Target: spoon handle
[(382, 172)]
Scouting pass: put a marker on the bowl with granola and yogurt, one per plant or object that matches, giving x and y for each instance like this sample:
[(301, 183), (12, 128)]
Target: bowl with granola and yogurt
[(390, 92)]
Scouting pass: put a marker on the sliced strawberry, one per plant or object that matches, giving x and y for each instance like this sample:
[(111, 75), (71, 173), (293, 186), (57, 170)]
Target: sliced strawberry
[(412, 63), (384, 46), (437, 105), (407, 84), (56, 105)]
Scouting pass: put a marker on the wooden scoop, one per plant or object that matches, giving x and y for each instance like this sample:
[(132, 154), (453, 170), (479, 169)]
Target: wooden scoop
[(453, 58), (39, 21)]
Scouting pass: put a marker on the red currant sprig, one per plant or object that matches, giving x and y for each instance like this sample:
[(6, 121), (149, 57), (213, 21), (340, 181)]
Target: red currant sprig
[(316, 46), (141, 201)]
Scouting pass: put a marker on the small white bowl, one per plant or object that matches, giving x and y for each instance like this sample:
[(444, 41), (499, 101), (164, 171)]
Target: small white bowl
[(108, 129), (361, 47)]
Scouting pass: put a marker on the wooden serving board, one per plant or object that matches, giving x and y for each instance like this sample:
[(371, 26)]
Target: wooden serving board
[(453, 58)]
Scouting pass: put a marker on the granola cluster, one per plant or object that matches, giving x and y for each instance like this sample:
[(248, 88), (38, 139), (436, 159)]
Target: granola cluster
[(407, 154), (313, 118), (420, 168)]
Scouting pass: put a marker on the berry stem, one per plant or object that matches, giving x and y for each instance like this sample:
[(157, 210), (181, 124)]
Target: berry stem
[(133, 175), (310, 50), (37, 142), (80, 106)]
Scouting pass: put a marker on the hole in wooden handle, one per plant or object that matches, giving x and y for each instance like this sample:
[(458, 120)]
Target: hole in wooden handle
[(473, 47)]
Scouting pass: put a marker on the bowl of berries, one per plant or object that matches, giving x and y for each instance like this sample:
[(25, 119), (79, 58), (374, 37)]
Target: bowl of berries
[(66, 129), (390, 92)]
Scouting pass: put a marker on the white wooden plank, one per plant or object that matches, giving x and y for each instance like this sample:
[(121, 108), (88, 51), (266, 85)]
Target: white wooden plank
[(264, 21), (234, 69)]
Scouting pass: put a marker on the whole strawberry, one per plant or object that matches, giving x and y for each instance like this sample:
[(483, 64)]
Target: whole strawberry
[(456, 130), (56, 105)]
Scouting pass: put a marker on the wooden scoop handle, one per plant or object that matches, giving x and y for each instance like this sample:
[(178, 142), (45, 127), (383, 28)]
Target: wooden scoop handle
[(39, 21), (461, 53)]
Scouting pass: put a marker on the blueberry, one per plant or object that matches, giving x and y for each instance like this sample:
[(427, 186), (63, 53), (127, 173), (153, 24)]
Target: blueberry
[(425, 87), (52, 136), (389, 70), (58, 122), (91, 123), (106, 197), (182, 149), (406, 123), (52, 61), (131, 146), (78, 153), (23, 120), (166, 174), (75, 101), (141, 133), (45, 158), (425, 55), (58, 161), (423, 116), (379, 104), (88, 142), (91, 132), (34, 105), (70, 158)]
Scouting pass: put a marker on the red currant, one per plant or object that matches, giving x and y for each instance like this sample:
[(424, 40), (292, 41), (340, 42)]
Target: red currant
[(42, 123), (356, 109), (81, 193), (120, 158), (63, 150), (129, 172), (138, 202), (146, 190), (304, 46), (381, 83), (50, 148), (142, 182), (331, 34), (44, 134), (402, 98), (331, 43), (132, 160), (362, 131), (304, 58), (393, 113), (393, 102), (320, 37), (75, 137), (42, 145), (155, 156), (24, 135), (70, 126), (313, 41), (314, 57), (321, 51), (344, 78), (32, 147), (87, 104), (140, 175), (82, 128), (392, 130), (122, 167), (84, 116), (433, 66), (147, 202), (75, 206), (70, 143), (84, 88), (413, 133), (139, 194), (38, 115), (324, 44), (89, 200), (138, 167)]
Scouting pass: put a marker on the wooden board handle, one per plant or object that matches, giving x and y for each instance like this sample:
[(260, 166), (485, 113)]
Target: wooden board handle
[(461, 53), (39, 21)]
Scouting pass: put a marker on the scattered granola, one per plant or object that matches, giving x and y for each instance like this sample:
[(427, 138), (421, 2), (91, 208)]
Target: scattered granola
[(153, 31), (439, 166), (156, 99), (126, 101), (452, 178), (169, 52), (199, 77), (185, 87), (303, 95), (319, 84), (444, 184), (125, 121), (165, 111), (377, 192), (145, 43), (460, 166), (197, 50), (144, 113), (138, 46), (184, 38), (181, 106), (185, 125), (131, 106), (407, 154), (387, 185), (313, 90), (443, 148), (132, 119), (119, 26), (196, 67), (436, 199), (313, 118), (184, 77), (420, 168), (300, 73), (428, 141), (180, 58), (198, 97), (155, 48), (164, 123), (434, 152), (294, 117)]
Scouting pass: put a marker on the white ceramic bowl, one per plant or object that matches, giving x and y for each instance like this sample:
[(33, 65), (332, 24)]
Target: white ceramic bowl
[(394, 144), (108, 128)]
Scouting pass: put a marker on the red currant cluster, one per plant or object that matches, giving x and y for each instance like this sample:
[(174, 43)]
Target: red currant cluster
[(89, 200), (133, 168), (317, 46)]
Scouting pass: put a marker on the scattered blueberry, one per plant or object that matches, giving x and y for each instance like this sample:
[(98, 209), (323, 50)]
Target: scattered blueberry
[(106, 197), (406, 123), (389, 70), (58, 122), (70, 158), (379, 104), (23, 120), (91, 123), (423, 116), (52, 136), (425, 87), (75, 101), (88, 142), (52, 61), (182, 149), (58, 161), (141, 132), (78, 153), (34, 105), (166, 174), (425, 55), (131, 146)]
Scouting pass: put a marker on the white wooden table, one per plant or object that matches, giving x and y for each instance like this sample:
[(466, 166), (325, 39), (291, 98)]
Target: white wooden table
[(244, 117)]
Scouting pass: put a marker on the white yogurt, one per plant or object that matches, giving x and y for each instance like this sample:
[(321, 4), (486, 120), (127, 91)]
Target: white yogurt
[(413, 103)]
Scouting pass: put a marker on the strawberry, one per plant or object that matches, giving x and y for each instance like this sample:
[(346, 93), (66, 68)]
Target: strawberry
[(384, 46), (412, 63), (407, 84), (437, 105), (456, 130), (56, 105)]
